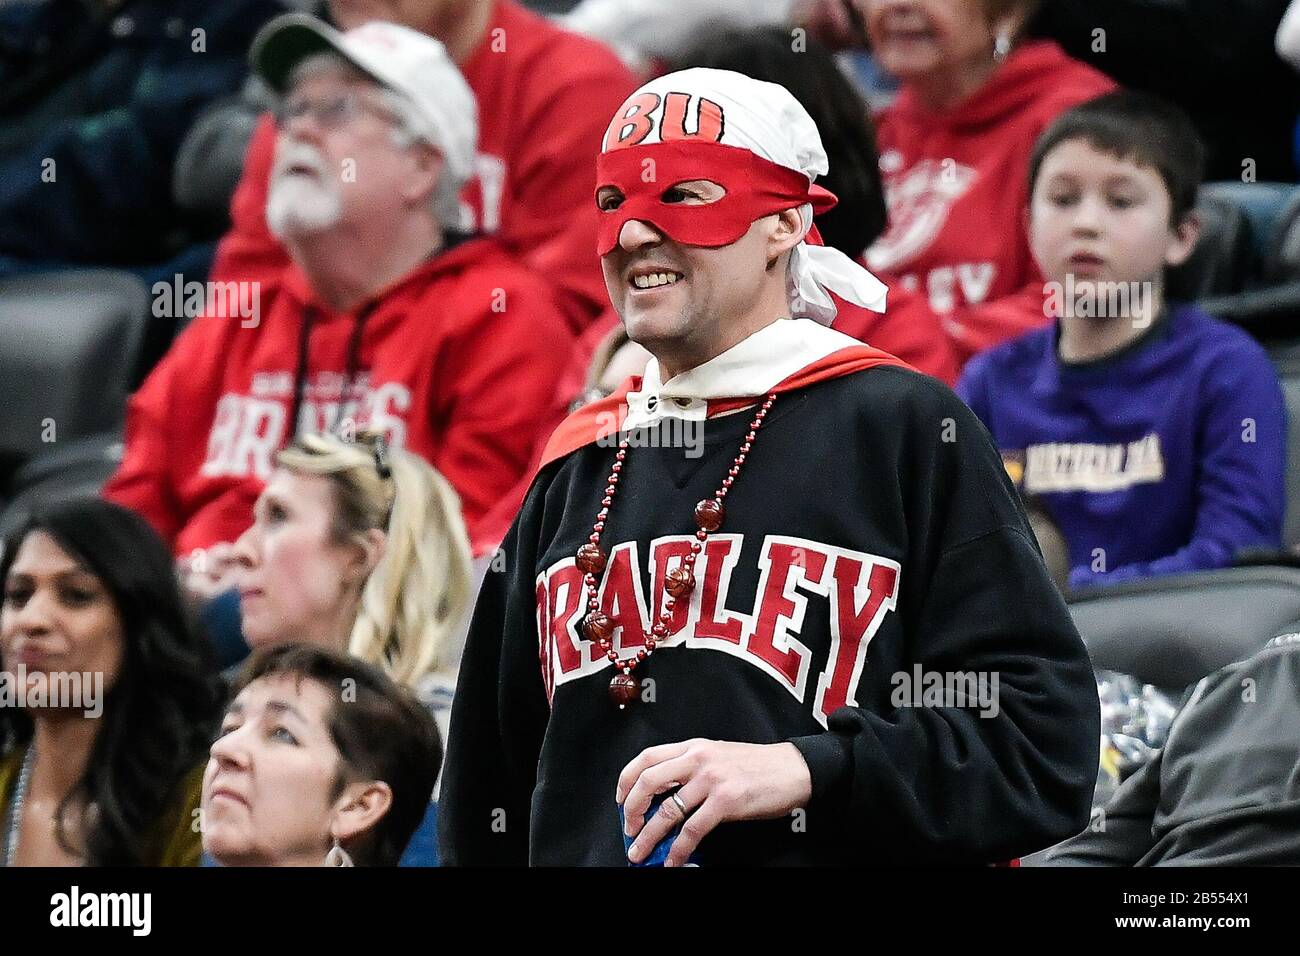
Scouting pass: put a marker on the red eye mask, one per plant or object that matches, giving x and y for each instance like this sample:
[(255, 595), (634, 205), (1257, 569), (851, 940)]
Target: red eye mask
[(755, 187)]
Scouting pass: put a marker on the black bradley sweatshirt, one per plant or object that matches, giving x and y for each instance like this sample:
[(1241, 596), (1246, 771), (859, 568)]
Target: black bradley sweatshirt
[(872, 529)]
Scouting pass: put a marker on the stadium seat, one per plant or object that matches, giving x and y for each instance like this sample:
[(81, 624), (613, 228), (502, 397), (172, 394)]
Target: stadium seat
[(1220, 263), (1262, 204), (1291, 527), (1286, 357), (1266, 298), (72, 469), (1267, 313), (1282, 258), (1272, 308), (69, 343), (1171, 632)]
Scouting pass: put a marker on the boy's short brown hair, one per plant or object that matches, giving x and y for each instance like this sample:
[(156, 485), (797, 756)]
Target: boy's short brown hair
[(1138, 127)]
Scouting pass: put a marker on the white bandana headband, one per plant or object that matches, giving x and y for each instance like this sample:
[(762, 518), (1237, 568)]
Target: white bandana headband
[(767, 120)]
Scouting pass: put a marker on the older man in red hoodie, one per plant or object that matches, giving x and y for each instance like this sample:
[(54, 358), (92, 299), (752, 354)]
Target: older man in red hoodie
[(543, 95), (383, 318)]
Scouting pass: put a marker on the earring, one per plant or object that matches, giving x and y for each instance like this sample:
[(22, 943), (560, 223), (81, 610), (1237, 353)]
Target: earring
[(337, 856), (1001, 46)]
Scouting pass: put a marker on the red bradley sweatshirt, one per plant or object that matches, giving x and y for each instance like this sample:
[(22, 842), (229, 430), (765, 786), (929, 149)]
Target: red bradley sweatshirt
[(545, 97), (956, 184), (456, 362)]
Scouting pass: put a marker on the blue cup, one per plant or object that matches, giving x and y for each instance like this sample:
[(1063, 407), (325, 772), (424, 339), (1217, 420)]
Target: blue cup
[(659, 854)]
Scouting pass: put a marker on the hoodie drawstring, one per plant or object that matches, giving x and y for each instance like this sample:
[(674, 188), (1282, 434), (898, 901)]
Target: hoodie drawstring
[(300, 373), (351, 372), (353, 367)]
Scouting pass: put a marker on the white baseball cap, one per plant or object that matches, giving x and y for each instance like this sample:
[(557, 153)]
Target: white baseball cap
[(411, 64)]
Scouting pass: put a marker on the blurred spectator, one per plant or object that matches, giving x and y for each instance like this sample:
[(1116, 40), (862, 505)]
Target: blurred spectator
[(954, 147), (600, 361), (907, 328), (1216, 59), (303, 775), (1153, 434), (1221, 792), (108, 776), (650, 33), (357, 547), (383, 319), (615, 359), (1287, 39), (543, 94), (95, 97)]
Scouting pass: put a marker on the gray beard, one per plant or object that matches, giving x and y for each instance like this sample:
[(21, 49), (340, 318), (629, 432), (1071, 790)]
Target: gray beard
[(297, 206)]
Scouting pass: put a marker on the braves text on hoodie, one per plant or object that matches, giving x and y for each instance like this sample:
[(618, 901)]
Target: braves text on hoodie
[(456, 362), (956, 186)]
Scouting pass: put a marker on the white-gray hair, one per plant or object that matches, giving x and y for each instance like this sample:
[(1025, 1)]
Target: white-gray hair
[(411, 128)]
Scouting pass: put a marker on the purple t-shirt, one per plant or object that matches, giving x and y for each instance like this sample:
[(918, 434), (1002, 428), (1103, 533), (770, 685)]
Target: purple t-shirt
[(1165, 457)]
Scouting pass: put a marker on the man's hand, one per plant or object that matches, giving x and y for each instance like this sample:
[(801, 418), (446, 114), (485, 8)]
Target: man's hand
[(720, 781)]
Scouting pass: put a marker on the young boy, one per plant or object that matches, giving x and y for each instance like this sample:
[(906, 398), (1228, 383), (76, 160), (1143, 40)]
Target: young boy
[(1153, 433)]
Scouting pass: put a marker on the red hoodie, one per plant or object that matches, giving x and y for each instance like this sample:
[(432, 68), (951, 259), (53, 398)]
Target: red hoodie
[(956, 186), (456, 362), (545, 96)]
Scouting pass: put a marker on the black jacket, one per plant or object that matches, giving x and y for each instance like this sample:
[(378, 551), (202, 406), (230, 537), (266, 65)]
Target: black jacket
[(1224, 790), (878, 488)]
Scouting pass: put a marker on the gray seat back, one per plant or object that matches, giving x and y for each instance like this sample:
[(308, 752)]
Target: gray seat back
[(69, 343), (1291, 526), (1173, 631), (1220, 262)]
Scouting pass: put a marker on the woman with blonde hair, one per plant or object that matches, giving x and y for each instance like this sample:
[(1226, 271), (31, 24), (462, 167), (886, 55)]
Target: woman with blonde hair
[(361, 548)]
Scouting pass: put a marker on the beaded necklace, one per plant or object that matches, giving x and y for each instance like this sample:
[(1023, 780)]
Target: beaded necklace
[(597, 626)]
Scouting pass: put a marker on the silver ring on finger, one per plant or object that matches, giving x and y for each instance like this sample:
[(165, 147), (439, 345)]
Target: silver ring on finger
[(681, 805)]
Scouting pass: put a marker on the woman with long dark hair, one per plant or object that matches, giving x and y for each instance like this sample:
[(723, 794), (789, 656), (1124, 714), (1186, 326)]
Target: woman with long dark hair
[(112, 696)]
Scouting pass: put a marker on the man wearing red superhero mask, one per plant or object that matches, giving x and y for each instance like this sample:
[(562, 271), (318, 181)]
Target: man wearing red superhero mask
[(705, 202), (716, 616)]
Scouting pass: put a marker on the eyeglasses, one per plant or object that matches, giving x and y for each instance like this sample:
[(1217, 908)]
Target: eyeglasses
[(330, 112), (373, 442)]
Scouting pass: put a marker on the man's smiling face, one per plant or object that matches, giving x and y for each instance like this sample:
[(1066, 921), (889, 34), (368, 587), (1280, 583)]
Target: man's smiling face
[(671, 295)]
